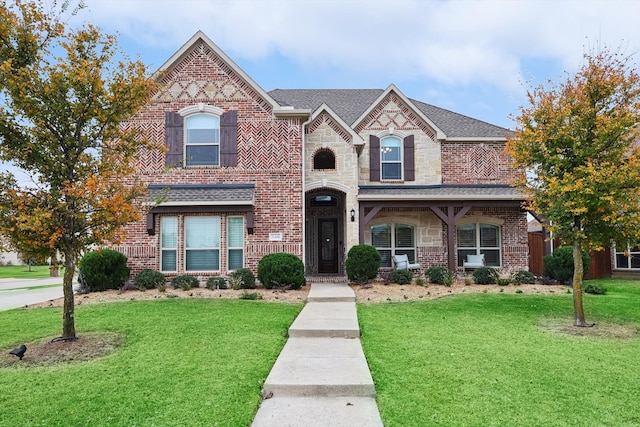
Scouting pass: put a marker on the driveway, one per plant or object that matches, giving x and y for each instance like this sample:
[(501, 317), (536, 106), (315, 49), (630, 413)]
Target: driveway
[(16, 293)]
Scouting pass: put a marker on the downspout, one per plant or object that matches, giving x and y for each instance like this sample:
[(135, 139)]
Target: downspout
[(304, 198)]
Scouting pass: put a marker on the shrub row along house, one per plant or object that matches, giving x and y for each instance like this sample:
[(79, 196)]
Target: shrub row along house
[(246, 172)]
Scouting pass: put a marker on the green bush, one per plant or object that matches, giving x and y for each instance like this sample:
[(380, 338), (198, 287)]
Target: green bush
[(149, 279), (250, 296), (401, 277), (595, 289), (242, 278), (184, 282), (440, 275), (485, 275), (104, 269), (523, 276), (363, 263), (279, 270), (559, 265), (216, 282)]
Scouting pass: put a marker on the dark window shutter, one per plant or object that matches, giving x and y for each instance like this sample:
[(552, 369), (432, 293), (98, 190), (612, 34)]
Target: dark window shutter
[(229, 139), (409, 161), (174, 129), (374, 158)]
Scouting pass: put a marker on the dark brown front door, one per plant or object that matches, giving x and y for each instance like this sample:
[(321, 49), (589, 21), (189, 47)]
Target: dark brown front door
[(328, 245)]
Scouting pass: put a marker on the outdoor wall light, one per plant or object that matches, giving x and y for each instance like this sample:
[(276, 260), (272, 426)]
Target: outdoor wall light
[(353, 215)]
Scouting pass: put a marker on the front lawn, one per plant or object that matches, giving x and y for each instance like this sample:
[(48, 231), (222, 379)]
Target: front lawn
[(506, 360), (22, 272), (192, 362)]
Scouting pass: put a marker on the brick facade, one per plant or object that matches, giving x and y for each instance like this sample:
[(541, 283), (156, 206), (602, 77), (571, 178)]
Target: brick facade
[(276, 146)]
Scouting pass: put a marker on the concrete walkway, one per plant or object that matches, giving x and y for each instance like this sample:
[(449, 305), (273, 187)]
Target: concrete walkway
[(15, 293), (321, 377)]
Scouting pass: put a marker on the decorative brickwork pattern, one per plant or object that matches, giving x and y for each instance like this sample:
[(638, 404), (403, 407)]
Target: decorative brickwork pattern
[(325, 118), (391, 112), (476, 163)]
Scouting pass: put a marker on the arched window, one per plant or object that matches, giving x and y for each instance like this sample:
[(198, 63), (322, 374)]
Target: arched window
[(478, 238), (202, 140), (324, 159), (394, 239)]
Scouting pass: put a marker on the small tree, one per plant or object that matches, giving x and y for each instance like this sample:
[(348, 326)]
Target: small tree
[(579, 141), (66, 100)]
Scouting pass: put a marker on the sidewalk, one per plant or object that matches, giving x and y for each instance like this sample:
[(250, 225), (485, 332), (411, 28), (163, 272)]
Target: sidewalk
[(321, 377), (15, 293)]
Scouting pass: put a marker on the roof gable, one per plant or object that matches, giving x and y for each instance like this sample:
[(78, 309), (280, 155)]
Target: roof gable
[(238, 85)]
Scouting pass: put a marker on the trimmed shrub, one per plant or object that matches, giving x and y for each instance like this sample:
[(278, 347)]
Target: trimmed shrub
[(104, 269), (216, 282), (185, 282), (279, 270), (363, 263), (149, 279), (523, 276), (595, 289), (559, 265), (242, 278), (485, 276), (440, 275), (401, 277)]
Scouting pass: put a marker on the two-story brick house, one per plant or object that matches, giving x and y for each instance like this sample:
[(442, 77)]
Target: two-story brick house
[(245, 173)]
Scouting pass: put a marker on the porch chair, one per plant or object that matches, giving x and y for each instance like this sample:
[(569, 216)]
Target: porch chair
[(401, 262), (473, 261)]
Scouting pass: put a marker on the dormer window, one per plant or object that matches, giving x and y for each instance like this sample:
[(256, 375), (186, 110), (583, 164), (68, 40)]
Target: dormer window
[(202, 140)]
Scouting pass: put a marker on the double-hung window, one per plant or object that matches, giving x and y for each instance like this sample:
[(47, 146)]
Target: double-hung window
[(479, 238), (235, 242), (628, 257), (394, 239), (202, 243), (169, 243), (202, 140), (391, 158)]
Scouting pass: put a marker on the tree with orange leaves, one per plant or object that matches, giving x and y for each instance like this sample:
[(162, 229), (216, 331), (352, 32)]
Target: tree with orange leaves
[(579, 141), (64, 121)]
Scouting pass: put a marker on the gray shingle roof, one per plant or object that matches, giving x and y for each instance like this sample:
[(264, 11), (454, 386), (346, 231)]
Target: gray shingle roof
[(441, 192), (350, 104), (206, 194)]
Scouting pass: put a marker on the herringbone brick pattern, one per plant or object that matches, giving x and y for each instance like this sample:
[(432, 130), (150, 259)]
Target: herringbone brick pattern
[(483, 163)]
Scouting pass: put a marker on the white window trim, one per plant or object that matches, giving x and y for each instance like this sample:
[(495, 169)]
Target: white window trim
[(229, 247), (627, 250), (393, 247), (496, 222), (185, 249), (195, 110), (401, 161), (162, 248)]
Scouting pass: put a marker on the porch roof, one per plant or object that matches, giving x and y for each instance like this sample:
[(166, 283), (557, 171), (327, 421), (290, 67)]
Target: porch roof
[(201, 194), (440, 192)]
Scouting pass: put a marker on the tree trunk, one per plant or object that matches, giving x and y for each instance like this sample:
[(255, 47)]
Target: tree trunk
[(68, 320), (578, 274)]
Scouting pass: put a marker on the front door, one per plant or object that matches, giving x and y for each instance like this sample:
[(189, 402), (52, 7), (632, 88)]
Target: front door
[(328, 245)]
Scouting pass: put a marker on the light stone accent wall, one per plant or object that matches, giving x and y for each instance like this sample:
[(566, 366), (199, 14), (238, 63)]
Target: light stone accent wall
[(342, 178), (429, 228)]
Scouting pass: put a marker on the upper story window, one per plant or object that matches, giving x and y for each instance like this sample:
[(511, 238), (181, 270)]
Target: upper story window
[(202, 140), (391, 158), (201, 135), (324, 159)]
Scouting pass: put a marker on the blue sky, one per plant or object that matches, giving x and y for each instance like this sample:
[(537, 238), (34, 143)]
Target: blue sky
[(474, 57)]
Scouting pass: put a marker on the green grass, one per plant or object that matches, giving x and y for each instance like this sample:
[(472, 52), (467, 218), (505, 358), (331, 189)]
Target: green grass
[(484, 360), (22, 272), (183, 363)]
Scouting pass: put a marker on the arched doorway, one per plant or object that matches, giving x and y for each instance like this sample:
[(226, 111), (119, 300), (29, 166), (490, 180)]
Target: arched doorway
[(324, 246)]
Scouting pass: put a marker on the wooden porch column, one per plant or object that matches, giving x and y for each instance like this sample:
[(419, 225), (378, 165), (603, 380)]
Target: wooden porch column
[(451, 219)]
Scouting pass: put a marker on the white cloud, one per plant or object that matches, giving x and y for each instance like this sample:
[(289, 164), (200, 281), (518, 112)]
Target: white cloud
[(451, 42)]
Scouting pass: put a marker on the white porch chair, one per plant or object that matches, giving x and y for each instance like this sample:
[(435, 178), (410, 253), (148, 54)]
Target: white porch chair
[(401, 262), (473, 261)]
